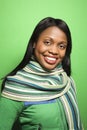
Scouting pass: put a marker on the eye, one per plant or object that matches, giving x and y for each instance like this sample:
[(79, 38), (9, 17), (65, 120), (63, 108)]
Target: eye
[(62, 46), (47, 42)]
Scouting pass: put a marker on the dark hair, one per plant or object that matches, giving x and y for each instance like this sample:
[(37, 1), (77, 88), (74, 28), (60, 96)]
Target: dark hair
[(41, 26)]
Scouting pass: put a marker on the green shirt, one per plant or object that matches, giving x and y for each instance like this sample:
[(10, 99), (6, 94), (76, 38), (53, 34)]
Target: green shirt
[(47, 115)]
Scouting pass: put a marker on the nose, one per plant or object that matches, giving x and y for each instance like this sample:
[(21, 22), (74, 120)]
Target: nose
[(53, 50)]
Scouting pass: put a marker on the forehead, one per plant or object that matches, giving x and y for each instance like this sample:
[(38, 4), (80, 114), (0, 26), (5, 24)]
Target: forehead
[(53, 32)]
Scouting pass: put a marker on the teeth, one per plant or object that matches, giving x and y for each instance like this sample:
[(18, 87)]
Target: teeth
[(50, 58)]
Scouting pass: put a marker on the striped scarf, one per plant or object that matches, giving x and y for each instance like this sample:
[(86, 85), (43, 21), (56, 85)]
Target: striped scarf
[(33, 84)]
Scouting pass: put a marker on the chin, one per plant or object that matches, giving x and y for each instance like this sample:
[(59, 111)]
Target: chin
[(49, 68)]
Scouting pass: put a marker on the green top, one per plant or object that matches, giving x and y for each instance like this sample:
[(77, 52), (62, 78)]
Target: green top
[(41, 99), (47, 115)]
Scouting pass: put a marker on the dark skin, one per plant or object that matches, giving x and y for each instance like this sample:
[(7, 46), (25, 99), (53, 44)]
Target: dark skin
[(51, 47)]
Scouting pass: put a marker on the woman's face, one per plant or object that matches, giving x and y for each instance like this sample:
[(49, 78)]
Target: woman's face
[(51, 47)]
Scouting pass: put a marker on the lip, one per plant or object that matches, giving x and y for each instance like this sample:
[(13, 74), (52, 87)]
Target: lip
[(50, 60)]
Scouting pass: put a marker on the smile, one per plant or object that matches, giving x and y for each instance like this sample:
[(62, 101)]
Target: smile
[(50, 60)]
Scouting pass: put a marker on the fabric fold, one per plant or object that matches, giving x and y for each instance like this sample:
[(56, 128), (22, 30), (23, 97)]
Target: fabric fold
[(34, 84)]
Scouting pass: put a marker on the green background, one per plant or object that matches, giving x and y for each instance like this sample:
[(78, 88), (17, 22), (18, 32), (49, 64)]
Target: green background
[(17, 21)]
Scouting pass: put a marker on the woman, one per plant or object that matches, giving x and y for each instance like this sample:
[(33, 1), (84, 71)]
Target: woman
[(40, 92)]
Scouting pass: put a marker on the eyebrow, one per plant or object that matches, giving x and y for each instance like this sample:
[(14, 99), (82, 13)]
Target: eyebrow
[(50, 38)]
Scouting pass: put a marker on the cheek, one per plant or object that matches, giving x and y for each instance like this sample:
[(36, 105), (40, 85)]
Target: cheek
[(37, 51), (62, 54), (40, 49)]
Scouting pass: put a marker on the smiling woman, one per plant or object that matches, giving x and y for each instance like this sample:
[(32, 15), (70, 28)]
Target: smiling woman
[(40, 92), (50, 48)]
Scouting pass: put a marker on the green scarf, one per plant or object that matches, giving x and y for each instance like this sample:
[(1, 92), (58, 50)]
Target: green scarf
[(33, 83)]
